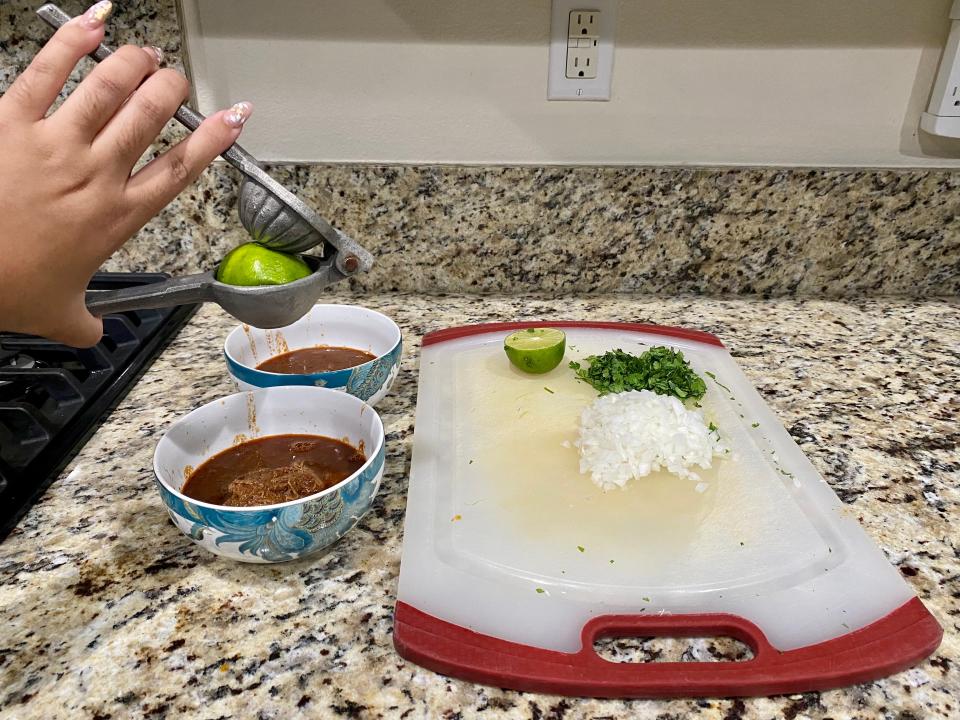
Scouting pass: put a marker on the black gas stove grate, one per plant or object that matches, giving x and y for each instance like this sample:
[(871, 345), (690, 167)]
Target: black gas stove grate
[(54, 397)]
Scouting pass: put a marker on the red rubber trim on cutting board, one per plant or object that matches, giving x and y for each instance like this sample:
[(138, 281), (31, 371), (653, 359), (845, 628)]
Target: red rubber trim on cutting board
[(893, 643), (439, 336)]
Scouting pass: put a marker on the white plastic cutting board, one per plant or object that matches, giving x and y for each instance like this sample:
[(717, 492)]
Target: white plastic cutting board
[(497, 509)]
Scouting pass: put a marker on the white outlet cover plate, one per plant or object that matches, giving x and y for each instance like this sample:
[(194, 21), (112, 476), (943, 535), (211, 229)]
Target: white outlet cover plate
[(559, 86)]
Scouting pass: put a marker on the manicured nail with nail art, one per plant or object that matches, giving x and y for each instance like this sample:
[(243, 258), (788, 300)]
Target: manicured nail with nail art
[(154, 52), (237, 115), (97, 14)]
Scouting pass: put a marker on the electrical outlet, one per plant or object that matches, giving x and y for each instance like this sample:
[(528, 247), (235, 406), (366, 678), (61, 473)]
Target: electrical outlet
[(582, 59), (581, 49), (943, 112), (583, 22)]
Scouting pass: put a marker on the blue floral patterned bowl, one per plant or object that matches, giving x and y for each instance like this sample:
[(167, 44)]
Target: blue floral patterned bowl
[(339, 325), (284, 531)]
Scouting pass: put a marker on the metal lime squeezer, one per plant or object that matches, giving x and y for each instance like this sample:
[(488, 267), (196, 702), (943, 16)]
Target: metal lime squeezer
[(274, 217)]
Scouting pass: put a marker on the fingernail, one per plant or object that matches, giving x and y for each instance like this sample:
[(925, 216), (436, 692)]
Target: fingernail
[(154, 52), (97, 14), (237, 115)]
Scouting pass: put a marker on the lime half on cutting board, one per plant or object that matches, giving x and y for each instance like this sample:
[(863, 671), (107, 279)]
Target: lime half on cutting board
[(535, 350)]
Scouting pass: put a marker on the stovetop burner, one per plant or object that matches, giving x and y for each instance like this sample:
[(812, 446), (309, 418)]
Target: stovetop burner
[(13, 359), (54, 397)]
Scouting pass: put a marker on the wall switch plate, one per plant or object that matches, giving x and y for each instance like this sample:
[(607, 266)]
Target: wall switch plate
[(581, 49)]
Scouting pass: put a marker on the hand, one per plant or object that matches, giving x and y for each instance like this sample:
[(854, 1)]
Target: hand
[(68, 199)]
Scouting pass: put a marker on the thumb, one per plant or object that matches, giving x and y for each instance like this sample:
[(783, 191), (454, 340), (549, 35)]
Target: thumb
[(78, 328)]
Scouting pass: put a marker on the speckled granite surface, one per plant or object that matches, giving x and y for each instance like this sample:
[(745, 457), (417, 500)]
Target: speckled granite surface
[(107, 611), (771, 232), (562, 230)]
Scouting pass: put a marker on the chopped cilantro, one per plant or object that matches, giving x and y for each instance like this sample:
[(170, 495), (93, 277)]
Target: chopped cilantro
[(659, 369), (580, 548), (714, 378), (540, 591), (646, 599), (611, 562), (549, 390), (755, 425)]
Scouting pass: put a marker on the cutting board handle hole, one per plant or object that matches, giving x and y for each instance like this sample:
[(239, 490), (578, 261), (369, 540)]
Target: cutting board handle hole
[(672, 649)]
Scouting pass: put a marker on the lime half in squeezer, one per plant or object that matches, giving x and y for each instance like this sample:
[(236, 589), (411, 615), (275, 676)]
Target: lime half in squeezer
[(253, 264), (535, 350)]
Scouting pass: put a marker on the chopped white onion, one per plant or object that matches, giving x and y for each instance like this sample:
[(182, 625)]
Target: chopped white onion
[(632, 434)]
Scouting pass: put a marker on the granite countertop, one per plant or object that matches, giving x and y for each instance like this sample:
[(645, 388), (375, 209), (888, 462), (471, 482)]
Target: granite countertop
[(109, 612), (809, 232)]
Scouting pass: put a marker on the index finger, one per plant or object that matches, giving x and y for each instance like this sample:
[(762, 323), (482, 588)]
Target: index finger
[(38, 86), (162, 179)]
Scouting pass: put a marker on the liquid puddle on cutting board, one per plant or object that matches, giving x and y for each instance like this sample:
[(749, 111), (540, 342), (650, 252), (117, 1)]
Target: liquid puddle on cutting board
[(524, 505)]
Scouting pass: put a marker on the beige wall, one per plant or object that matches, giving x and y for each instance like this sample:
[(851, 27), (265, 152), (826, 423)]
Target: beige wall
[(783, 82)]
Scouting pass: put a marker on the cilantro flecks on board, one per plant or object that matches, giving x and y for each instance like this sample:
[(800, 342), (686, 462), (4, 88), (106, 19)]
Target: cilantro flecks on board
[(660, 369)]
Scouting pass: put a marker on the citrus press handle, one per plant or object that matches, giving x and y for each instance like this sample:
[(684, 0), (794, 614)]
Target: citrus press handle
[(186, 290)]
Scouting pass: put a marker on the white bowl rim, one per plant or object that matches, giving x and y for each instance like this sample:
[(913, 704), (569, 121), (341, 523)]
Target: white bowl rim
[(289, 503), (240, 328)]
